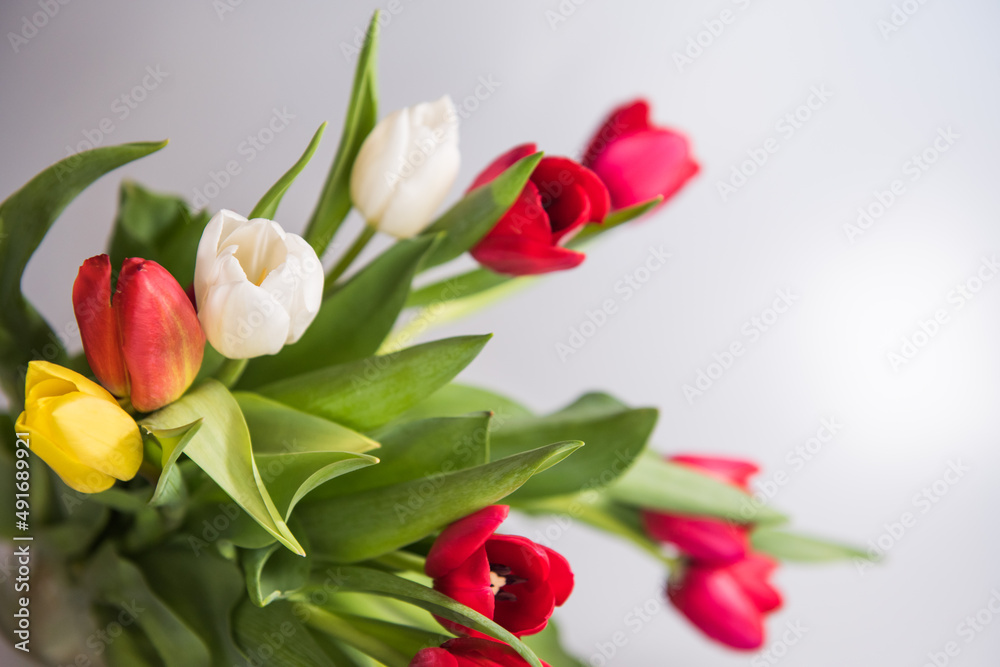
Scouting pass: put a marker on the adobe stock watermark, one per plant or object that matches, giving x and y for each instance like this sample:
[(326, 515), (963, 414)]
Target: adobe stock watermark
[(900, 15), (927, 329), (913, 170), (781, 645), (786, 127), (712, 29), (248, 149), (624, 289), (922, 502), (31, 24), (751, 331), (766, 488), (967, 630)]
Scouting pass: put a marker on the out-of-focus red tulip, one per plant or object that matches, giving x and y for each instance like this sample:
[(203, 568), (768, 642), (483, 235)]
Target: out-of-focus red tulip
[(469, 652), (638, 160), (507, 578), (729, 602), (706, 540), (560, 197), (145, 341)]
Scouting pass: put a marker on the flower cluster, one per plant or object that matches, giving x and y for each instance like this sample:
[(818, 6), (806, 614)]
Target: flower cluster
[(721, 586)]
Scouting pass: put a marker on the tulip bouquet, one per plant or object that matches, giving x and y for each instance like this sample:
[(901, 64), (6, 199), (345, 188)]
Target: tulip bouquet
[(253, 463)]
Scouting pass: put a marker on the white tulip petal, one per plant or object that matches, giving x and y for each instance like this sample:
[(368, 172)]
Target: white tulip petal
[(377, 167), (242, 321)]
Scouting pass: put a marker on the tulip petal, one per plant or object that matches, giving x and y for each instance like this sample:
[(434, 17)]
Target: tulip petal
[(206, 269), (552, 172), (752, 573), (162, 339), (646, 164), (560, 576), (525, 558), (378, 164), (706, 540), (569, 212), (502, 163), (434, 657), (74, 474), (99, 326), (521, 257), (97, 433), (461, 539), (621, 122), (297, 285), (242, 320), (41, 371), (735, 471), (714, 601)]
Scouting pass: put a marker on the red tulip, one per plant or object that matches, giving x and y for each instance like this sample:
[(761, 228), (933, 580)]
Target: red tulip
[(728, 603), (637, 160), (469, 652), (507, 578), (707, 540), (560, 197), (145, 341)]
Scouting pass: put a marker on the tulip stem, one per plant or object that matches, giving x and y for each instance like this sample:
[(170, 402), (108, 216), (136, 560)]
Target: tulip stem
[(401, 560), (230, 371), (348, 258)]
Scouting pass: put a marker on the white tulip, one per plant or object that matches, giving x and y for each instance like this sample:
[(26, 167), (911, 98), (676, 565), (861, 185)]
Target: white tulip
[(258, 287), (406, 166)]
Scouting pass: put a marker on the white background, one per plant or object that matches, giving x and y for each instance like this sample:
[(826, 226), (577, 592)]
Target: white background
[(784, 229)]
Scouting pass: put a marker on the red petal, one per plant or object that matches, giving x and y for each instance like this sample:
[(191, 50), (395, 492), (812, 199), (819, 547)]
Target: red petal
[(434, 657), (735, 471), (643, 165), (527, 559), (554, 174), (715, 602), (523, 257), (469, 584), (162, 339), (98, 324), (499, 165), (530, 612), (460, 540), (525, 218), (622, 121), (707, 540), (560, 576), (753, 573), (482, 652)]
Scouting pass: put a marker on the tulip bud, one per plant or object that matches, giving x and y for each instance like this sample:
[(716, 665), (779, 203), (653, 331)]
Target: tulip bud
[(78, 428), (406, 166), (143, 343), (638, 160), (728, 603), (258, 287)]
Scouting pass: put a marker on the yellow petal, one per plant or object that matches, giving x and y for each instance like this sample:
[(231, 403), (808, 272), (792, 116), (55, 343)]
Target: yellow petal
[(96, 432), (76, 475), (39, 371)]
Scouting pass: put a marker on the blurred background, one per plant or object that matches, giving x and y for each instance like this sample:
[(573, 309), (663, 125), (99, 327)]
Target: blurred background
[(893, 328)]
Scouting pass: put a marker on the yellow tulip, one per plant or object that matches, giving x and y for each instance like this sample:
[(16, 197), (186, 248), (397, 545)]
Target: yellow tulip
[(78, 428)]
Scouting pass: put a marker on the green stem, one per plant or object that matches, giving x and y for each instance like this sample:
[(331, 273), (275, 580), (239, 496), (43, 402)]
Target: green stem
[(401, 560), (348, 258), (230, 371)]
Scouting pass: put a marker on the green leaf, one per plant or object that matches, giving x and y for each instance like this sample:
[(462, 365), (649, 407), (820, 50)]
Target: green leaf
[(615, 436), (361, 579), (477, 213), (268, 204), (274, 636), (277, 428), (391, 644), (462, 286), (156, 227), (547, 644), (221, 447), (371, 523), (120, 583), (419, 449), (785, 545), (368, 393), (273, 573), (202, 589), (615, 219), (362, 112), (455, 399), (353, 321), (25, 218), (669, 487)]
